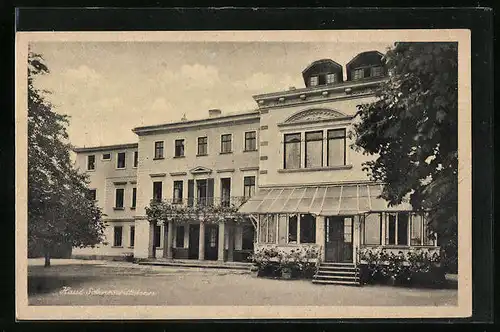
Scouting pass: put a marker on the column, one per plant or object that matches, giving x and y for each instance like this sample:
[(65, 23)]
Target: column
[(320, 235), (220, 243), (151, 248), (355, 237), (201, 246), (169, 240), (230, 243)]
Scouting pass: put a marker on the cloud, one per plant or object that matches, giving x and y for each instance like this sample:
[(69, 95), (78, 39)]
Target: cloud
[(192, 76), (83, 73), (264, 82)]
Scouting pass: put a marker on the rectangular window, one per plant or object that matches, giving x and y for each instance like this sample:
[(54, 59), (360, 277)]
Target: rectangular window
[(157, 191), (92, 194), (179, 148), (313, 80), (159, 150), (397, 229), (179, 237), (225, 143), (251, 141), (377, 71), (292, 151), (282, 229), (348, 230), (157, 236), (372, 229), (136, 158), (106, 156), (225, 185), (403, 223), (117, 238), (267, 228), (358, 74), (331, 78), (202, 146), (132, 235), (336, 147), (119, 198), (417, 229), (120, 160), (178, 188), (390, 229), (134, 197), (307, 228), (248, 186), (314, 149), (292, 229), (91, 162)]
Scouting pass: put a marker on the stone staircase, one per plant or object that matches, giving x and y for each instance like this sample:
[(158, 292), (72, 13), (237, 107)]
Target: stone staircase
[(338, 274)]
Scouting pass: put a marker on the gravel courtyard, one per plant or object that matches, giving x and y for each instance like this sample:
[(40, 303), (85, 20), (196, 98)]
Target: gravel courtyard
[(73, 282)]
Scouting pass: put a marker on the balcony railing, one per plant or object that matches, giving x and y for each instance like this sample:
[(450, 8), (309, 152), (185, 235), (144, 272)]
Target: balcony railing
[(227, 201)]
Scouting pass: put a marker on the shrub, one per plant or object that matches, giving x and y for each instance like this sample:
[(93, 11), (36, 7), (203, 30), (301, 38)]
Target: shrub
[(271, 261), (416, 267)]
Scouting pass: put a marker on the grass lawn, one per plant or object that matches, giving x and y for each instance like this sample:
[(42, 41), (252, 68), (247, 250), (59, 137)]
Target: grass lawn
[(72, 282)]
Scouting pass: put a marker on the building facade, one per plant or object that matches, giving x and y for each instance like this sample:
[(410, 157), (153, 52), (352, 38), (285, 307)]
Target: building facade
[(288, 166)]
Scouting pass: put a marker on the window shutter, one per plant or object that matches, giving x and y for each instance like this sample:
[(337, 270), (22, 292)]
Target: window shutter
[(190, 192), (210, 191)]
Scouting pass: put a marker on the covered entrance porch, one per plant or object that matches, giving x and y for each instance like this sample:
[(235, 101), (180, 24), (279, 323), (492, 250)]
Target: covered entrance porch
[(223, 241)]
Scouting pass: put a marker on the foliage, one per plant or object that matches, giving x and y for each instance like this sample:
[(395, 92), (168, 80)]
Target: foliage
[(59, 209), (379, 266), (300, 261), (412, 129), (161, 211)]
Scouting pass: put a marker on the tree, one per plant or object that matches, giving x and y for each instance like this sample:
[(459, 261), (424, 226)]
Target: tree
[(59, 209), (412, 129)]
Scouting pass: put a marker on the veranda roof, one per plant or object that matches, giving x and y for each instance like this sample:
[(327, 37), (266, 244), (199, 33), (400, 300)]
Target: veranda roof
[(323, 200)]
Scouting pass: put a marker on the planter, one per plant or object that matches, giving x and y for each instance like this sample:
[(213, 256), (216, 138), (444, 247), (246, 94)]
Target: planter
[(286, 273)]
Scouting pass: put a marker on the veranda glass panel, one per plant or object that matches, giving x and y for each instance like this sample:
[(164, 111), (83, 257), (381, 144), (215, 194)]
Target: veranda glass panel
[(292, 228), (364, 199), (282, 228), (271, 228), (331, 202), (417, 227), (306, 200), (390, 229), (372, 231), (293, 200), (307, 228), (349, 200), (378, 204), (318, 201), (262, 229), (279, 203), (403, 220), (268, 200)]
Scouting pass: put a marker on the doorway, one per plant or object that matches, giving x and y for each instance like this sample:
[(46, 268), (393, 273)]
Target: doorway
[(194, 241), (338, 239), (211, 242)]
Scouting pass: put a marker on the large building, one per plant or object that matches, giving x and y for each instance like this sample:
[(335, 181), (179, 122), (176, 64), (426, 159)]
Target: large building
[(287, 165)]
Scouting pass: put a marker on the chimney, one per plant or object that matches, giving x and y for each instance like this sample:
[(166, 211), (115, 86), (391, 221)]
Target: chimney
[(214, 113)]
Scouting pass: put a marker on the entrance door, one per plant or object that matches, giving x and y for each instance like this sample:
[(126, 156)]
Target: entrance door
[(338, 239), (194, 241), (211, 241)]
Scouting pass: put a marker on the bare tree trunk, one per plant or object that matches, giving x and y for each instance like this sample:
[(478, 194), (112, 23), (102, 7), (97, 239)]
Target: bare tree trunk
[(47, 258)]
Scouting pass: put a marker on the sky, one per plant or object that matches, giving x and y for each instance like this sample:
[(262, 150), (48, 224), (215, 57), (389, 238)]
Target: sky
[(108, 88)]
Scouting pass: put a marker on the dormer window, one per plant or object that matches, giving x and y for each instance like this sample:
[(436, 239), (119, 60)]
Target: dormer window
[(331, 78), (358, 74), (313, 81), (377, 71)]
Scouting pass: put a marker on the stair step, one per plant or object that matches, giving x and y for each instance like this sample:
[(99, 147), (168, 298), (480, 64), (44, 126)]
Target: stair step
[(340, 268), (336, 277), (336, 264), (350, 273), (336, 282)]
